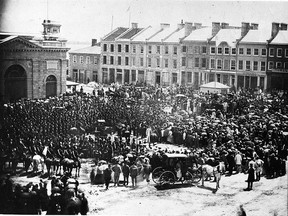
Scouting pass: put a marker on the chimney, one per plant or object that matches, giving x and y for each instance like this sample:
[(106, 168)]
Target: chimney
[(134, 25), (244, 28), (164, 25), (283, 26), (254, 26), (275, 29), (188, 28), (198, 25), (180, 26), (224, 25), (215, 28), (94, 42)]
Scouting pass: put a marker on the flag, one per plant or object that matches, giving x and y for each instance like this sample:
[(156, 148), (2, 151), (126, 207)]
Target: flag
[(128, 9)]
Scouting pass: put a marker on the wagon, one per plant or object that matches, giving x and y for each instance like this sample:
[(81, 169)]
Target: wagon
[(170, 173)]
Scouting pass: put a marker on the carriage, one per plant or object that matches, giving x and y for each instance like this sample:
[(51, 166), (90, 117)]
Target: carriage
[(176, 169)]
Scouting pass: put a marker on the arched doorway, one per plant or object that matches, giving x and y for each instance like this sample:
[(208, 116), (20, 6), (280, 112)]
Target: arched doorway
[(51, 86), (15, 83)]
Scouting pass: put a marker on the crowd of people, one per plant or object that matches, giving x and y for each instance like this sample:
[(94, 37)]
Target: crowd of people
[(234, 128)]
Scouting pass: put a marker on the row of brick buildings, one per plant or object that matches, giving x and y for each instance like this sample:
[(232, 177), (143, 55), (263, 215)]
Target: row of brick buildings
[(189, 54)]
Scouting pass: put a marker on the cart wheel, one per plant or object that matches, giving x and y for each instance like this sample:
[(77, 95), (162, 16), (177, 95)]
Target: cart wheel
[(167, 177), (156, 173), (188, 178), (197, 176)]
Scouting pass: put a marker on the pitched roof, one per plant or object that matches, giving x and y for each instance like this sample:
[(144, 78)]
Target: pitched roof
[(201, 34), (147, 33), (87, 50), (114, 34), (176, 36), (281, 38), (130, 33), (256, 36), (162, 35), (227, 35)]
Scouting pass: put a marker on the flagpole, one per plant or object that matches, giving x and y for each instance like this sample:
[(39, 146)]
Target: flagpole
[(112, 23), (129, 18)]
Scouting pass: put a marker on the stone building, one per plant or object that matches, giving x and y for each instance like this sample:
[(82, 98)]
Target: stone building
[(84, 64), (33, 66), (192, 54)]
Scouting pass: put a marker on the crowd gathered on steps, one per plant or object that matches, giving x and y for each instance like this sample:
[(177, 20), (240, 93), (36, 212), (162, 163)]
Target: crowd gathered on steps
[(234, 128)]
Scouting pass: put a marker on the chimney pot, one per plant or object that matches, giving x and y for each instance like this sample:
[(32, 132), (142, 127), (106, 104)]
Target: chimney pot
[(254, 26), (224, 25), (198, 25), (134, 25), (164, 25)]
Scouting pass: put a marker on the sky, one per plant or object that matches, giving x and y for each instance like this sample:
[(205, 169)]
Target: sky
[(83, 20)]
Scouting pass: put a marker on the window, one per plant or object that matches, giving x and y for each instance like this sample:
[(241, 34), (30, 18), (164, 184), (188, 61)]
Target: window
[(264, 52), (104, 59), (263, 66), (189, 77), (240, 65), (174, 77), (248, 51), (119, 60), (233, 51), (134, 48), (203, 62), (271, 52), (226, 64), (126, 48), (184, 49), (126, 60), (158, 62), (196, 62), (119, 48), (166, 63), (204, 49), (219, 64), (111, 47), (74, 58), (149, 49), (95, 60), (81, 59), (196, 49), (233, 64), (183, 61), (219, 50), (256, 52), (255, 65), (285, 65), (95, 76), (278, 65), (141, 49), (158, 49), (175, 50), (133, 61), (248, 66), (226, 50), (241, 51), (174, 63), (166, 49), (141, 62), (279, 53), (87, 59), (105, 47), (149, 62), (270, 65), (111, 60), (212, 63), (212, 50), (286, 53)]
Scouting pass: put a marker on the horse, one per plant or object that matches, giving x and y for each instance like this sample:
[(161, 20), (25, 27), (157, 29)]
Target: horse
[(68, 165), (209, 170)]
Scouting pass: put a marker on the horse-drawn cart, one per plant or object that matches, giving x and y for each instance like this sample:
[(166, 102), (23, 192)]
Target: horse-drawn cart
[(176, 169)]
